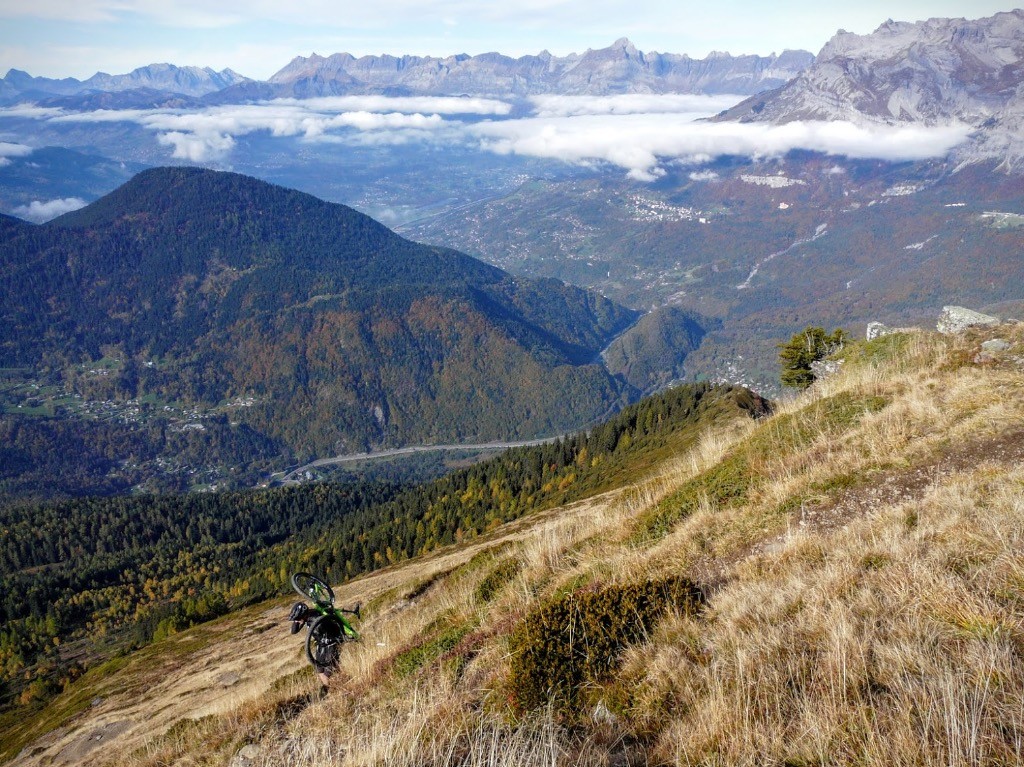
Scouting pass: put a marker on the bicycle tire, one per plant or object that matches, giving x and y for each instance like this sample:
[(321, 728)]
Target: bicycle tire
[(323, 643), (311, 587)]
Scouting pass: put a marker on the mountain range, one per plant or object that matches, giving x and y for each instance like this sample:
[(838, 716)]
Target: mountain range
[(165, 78), (620, 68)]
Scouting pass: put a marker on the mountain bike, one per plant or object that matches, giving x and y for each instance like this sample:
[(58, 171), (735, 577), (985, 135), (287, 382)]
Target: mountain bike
[(328, 626)]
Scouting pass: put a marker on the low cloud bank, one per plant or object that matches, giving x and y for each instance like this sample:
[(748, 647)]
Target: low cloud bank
[(441, 105), (9, 150), (639, 133), (641, 144), (634, 103), (40, 211), (210, 134)]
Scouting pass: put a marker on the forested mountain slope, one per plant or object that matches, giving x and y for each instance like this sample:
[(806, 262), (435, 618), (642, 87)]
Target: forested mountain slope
[(294, 324)]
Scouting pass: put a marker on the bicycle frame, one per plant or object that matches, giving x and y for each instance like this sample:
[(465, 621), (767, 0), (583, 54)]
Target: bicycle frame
[(337, 614)]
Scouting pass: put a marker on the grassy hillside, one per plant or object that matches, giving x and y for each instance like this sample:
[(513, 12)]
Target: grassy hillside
[(84, 580), (839, 583)]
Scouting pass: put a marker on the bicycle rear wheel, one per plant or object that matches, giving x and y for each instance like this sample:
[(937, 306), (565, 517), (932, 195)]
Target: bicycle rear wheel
[(323, 644), (313, 588)]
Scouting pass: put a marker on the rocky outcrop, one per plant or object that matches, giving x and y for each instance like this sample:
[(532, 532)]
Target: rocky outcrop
[(878, 329), (956, 319)]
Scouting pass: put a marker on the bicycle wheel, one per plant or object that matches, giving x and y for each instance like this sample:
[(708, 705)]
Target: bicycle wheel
[(323, 644), (313, 588)]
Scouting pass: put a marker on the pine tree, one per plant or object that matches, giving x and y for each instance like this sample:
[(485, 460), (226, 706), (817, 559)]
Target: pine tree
[(809, 345)]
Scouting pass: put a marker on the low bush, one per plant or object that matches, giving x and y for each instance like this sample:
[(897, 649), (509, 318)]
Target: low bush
[(576, 640), (497, 579)]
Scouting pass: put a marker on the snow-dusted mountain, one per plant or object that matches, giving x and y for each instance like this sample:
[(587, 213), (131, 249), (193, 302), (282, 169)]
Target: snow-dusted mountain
[(167, 78), (620, 68), (934, 72)]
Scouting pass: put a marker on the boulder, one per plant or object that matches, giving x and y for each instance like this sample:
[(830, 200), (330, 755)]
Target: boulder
[(246, 757), (996, 345), (824, 368), (956, 319), (879, 329)]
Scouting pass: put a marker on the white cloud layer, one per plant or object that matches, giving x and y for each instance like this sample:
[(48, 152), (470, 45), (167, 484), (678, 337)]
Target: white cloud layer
[(442, 105), (209, 134), (639, 134), (640, 144), (7, 149), (633, 103), (39, 211)]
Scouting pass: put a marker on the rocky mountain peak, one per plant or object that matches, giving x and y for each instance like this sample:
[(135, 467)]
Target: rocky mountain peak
[(935, 73)]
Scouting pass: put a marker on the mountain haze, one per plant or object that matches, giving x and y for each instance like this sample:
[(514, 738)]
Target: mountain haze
[(166, 78), (620, 68)]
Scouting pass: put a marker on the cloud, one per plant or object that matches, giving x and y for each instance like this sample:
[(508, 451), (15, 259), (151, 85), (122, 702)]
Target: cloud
[(30, 111), (690, 105), (8, 150), (442, 105), (642, 134), (197, 148), (40, 211), (640, 144), (703, 175), (209, 134)]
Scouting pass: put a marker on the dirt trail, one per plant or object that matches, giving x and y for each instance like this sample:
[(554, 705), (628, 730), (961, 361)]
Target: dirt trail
[(215, 667)]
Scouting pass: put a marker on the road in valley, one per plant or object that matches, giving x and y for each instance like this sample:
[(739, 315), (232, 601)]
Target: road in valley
[(291, 475)]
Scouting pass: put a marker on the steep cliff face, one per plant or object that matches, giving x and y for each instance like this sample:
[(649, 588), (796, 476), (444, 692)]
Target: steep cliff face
[(934, 72)]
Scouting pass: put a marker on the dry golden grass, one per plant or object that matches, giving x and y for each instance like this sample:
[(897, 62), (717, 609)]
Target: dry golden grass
[(866, 601)]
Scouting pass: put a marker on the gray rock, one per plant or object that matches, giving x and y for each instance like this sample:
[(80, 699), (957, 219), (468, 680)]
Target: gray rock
[(825, 368), (996, 345), (246, 756), (877, 330), (956, 319)]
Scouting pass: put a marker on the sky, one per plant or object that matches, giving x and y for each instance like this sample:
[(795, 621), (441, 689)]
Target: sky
[(76, 38)]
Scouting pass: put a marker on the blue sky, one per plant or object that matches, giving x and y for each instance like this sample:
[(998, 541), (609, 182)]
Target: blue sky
[(57, 38)]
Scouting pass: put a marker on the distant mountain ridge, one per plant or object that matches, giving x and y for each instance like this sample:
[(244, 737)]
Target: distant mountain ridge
[(620, 68), (168, 78), (935, 72)]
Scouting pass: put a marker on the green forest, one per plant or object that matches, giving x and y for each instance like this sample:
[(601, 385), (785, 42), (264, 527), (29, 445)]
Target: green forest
[(86, 578)]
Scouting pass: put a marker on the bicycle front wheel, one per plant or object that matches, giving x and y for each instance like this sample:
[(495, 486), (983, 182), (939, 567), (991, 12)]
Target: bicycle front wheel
[(311, 587)]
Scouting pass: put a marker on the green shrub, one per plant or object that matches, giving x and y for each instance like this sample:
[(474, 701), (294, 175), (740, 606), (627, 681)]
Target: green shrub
[(576, 640), (727, 481), (497, 579), (434, 646)]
